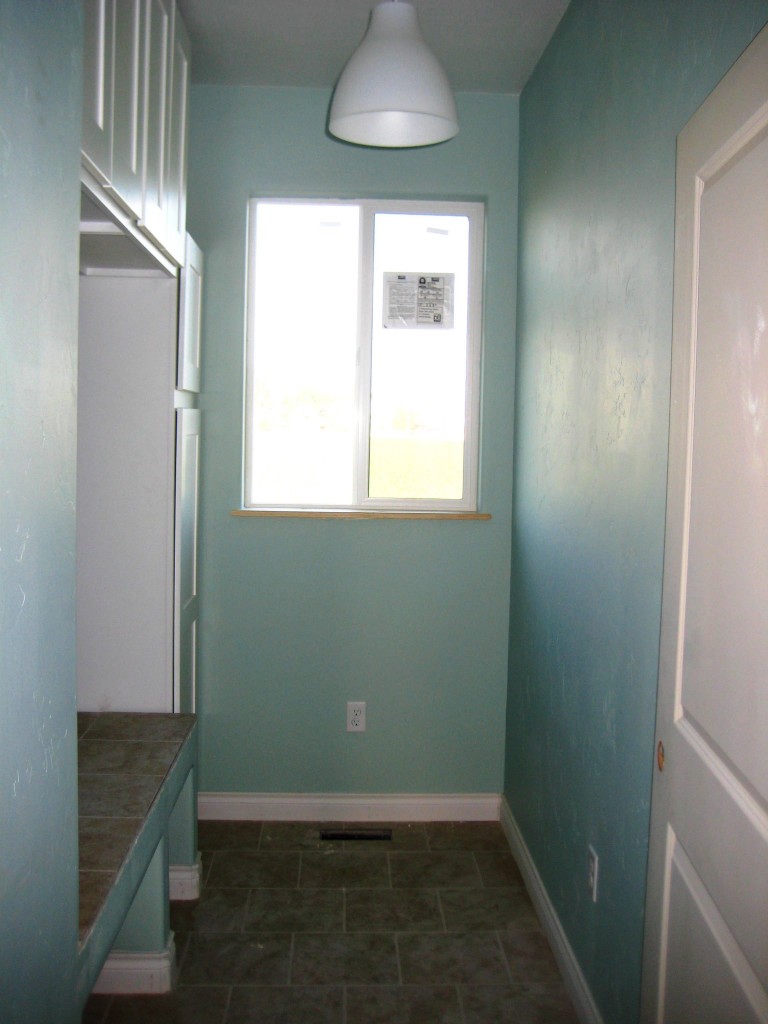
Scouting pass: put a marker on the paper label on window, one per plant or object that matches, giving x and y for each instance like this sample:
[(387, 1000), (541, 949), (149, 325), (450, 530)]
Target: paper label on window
[(418, 300)]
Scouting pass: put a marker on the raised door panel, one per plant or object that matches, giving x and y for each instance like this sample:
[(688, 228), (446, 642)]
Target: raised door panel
[(97, 88), (157, 41), (128, 119), (186, 599), (176, 138), (190, 313)]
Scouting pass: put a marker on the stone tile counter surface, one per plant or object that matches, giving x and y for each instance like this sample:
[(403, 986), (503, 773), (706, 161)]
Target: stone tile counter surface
[(123, 760)]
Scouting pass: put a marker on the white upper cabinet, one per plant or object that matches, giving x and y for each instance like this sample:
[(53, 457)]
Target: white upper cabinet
[(137, 64), (97, 88)]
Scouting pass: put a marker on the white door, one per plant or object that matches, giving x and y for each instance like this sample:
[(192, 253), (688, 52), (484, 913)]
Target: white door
[(706, 950)]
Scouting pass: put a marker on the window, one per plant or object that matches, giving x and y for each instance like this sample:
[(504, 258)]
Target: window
[(363, 355)]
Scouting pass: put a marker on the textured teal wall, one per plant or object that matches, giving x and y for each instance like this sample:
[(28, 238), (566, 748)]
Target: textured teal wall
[(40, 61), (300, 616), (598, 125)]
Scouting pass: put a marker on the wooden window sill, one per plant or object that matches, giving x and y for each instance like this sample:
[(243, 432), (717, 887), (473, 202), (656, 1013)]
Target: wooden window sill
[(353, 514)]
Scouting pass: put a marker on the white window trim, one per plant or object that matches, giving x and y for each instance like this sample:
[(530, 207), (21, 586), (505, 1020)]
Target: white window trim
[(470, 500)]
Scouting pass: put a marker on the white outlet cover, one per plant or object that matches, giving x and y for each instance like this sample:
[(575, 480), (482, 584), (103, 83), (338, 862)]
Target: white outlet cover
[(356, 716)]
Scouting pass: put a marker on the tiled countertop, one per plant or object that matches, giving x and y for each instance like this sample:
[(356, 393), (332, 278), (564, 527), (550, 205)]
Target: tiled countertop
[(123, 761)]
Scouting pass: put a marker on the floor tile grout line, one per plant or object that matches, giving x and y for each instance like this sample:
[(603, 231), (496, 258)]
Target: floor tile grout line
[(477, 869), (181, 959), (507, 968), (246, 910), (441, 909), (462, 1014), (207, 874), (396, 938), (291, 951), (105, 1018), (227, 1004)]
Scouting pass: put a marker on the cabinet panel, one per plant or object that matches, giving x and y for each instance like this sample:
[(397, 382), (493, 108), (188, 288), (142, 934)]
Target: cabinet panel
[(157, 55), (176, 136), (98, 26), (186, 600), (128, 119), (125, 493), (190, 300)]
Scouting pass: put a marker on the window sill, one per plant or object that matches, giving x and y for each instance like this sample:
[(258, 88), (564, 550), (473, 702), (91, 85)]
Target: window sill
[(356, 514)]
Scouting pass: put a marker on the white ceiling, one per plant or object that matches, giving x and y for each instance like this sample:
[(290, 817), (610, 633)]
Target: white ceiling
[(484, 45)]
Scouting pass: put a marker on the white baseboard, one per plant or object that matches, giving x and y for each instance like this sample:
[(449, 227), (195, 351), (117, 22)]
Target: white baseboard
[(138, 973), (185, 880), (575, 982), (391, 807)]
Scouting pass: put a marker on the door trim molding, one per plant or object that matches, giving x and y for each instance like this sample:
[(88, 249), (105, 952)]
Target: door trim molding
[(575, 982)]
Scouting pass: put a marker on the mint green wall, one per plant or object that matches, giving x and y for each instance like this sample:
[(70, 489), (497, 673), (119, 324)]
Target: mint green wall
[(300, 616), (40, 61), (598, 125)]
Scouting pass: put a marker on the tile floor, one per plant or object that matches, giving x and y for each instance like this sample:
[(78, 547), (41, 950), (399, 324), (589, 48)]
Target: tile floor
[(431, 927)]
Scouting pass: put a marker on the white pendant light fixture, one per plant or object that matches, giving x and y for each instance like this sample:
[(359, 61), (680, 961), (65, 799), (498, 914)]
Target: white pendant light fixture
[(393, 91)]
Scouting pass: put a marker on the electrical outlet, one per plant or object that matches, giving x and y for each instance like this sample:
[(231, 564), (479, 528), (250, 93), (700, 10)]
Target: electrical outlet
[(355, 716), (593, 865)]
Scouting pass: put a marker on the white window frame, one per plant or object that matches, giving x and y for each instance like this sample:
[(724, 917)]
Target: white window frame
[(475, 214)]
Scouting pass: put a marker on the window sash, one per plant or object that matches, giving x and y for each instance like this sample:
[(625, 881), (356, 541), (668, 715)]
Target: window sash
[(468, 502)]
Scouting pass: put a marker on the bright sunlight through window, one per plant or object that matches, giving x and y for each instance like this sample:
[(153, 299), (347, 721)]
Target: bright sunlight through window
[(363, 355)]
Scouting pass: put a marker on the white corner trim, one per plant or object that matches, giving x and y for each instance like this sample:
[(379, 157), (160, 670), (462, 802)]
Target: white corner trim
[(393, 807), (138, 973), (574, 979), (185, 880)]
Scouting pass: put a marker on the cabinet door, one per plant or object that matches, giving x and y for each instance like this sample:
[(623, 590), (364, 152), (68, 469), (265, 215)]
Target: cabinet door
[(157, 55), (97, 88), (176, 138), (125, 493), (190, 298), (128, 118), (186, 603)]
